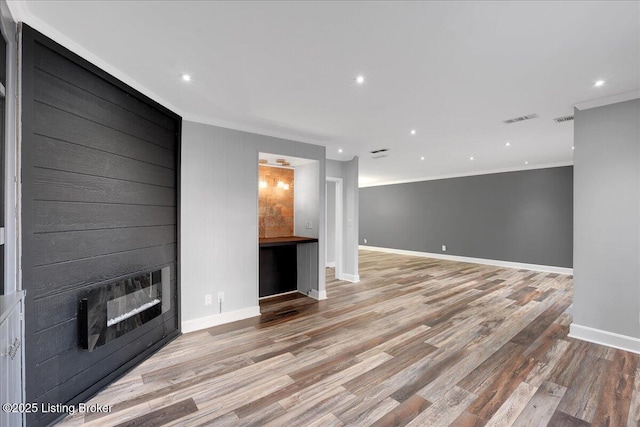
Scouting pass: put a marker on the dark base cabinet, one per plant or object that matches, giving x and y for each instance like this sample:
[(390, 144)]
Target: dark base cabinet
[(282, 269), (278, 270)]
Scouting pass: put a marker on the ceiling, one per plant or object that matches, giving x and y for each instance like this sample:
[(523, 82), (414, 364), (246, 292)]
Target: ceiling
[(453, 71)]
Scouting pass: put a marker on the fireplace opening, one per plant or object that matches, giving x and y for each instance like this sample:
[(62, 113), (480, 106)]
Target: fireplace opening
[(111, 310)]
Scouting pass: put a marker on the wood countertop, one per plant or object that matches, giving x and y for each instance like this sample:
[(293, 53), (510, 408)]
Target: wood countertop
[(282, 241)]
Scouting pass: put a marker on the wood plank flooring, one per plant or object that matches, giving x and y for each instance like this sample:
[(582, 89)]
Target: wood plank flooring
[(418, 342)]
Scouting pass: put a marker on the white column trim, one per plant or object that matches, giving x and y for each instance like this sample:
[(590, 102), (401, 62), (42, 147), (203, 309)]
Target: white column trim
[(339, 219), (354, 278), (322, 295)]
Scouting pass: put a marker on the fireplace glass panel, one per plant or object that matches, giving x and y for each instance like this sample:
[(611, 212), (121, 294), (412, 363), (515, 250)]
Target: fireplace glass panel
[(132, 303), (114, 309)]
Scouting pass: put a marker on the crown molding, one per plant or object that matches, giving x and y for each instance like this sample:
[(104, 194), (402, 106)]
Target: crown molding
[(20, 13), (607, 100), (474, 173)]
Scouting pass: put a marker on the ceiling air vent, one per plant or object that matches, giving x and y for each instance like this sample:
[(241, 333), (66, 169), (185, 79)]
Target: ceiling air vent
[(563, 119), (380, 156), (382, 150), (520, 119)]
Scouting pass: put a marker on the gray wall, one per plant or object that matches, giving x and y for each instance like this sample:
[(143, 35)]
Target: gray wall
[(331, 222), (219, 223), (306, 200), (524, 216), (348, 171), (607, 218)]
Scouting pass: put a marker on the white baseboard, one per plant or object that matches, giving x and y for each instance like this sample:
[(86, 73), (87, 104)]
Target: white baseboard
[(494, 262), (331, 264), (354, 278), (318, 295), (219, 319), (610, 339)]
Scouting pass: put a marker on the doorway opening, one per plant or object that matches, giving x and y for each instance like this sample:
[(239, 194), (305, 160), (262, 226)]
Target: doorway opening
[(334, 228)]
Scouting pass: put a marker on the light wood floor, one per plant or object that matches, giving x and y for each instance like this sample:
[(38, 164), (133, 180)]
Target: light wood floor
[(417, 342)]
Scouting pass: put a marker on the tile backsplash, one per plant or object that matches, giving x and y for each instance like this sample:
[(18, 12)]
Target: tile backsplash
[(275, 203)]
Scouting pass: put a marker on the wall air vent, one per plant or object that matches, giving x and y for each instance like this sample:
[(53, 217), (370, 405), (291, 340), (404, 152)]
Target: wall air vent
[(382, 150), (380, 156), (520, 119), (563, 119)]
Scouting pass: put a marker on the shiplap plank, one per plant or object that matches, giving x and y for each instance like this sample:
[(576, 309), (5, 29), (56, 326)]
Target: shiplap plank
[(56, 278), (67, 70), (51, 217), (59, 186), (67, 127), (60, 94), (66, 246), (60, 155)]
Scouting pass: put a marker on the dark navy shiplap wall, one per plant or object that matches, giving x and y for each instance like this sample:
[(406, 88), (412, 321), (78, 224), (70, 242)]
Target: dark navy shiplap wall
[(100, 184), (524, 216)]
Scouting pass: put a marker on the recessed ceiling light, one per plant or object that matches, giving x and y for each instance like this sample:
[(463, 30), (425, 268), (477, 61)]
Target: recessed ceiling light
[(422, 158), (573, 148), (526, 163), (413, 131), (599, 83), (340, 150), (360, 79), (507, 144), (185, 77), (471, 158)]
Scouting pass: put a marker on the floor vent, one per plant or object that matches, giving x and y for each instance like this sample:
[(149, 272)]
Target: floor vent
[(520, 119), (286, 313)]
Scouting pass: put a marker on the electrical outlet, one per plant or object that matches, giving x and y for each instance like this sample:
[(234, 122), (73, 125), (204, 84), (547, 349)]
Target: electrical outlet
[(365, 240), (207, 299), (220, 296), (444, 248)]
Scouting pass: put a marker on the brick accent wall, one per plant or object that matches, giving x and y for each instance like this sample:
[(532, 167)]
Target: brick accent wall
[(275, 204)]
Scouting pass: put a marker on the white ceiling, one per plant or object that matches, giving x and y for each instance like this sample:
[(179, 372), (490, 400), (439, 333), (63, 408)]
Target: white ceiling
[(451, 70)]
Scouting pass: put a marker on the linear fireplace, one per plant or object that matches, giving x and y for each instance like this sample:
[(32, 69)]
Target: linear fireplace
[(110, 311)]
